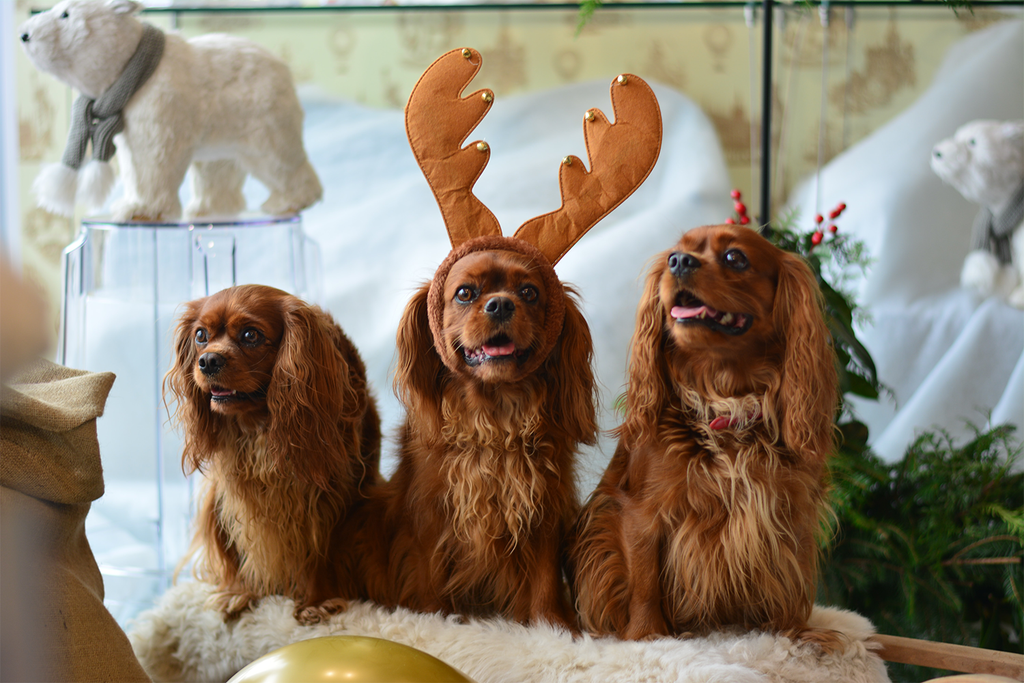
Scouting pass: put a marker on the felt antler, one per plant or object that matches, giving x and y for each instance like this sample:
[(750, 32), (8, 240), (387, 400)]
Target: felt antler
[(621, 157), (438, 120)]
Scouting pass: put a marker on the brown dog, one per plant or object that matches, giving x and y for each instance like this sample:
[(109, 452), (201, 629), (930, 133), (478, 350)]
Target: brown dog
[(495, 369), (709, 512), (484, 493), (273, 402)]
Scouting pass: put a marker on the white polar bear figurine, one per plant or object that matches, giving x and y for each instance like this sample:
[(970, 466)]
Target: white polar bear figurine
[(984, 161), (219, 103)]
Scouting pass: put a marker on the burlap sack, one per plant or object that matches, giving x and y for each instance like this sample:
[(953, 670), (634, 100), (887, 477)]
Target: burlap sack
[(54, 624)]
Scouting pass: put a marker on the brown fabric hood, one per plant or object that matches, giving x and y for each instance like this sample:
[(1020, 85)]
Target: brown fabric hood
[(555, 313)]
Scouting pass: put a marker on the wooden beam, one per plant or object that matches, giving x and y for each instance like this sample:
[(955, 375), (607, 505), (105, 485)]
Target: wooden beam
[(972, 660), (972, 678)]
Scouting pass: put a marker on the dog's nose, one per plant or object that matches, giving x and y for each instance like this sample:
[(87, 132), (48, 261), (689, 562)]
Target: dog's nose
[(681, 264), (24, 37), (211, 363), (500, 308)]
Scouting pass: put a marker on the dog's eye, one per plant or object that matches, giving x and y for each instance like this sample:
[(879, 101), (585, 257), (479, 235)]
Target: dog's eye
[(251, 336), (200, 336), (529, 293), (465, 294), (64, 14), (736, 259), (972, 142)]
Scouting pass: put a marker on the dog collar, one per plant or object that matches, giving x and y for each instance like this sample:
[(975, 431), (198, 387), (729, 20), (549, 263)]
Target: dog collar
[(722, 422)]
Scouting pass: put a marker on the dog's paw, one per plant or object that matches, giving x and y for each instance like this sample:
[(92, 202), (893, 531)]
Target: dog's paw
[(552, 617), (231, 604), (980, 272), (828, 640), (645, 627), (307, 615)]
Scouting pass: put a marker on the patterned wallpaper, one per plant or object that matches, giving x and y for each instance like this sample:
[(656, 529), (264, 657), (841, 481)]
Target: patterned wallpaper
[(861, 70)]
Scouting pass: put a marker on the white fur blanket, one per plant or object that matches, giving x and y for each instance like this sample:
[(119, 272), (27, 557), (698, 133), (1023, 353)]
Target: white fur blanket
[(180, 640)]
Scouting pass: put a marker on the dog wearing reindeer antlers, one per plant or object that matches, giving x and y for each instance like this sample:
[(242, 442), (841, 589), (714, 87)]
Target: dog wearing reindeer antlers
[(495, 370)]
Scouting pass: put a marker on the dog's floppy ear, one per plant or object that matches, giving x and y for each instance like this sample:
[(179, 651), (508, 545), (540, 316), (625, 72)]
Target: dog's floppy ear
[(647, 391), (420, 374), (315, 406), (191, 404), (808, 392), (569, 370)]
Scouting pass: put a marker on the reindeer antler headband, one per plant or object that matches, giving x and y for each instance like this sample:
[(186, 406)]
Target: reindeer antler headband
[(438, 120)]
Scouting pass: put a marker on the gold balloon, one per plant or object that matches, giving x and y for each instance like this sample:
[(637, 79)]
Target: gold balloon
[(358, 659)]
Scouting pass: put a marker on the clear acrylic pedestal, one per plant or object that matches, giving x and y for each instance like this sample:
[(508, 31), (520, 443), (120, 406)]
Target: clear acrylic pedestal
[(123, 286)]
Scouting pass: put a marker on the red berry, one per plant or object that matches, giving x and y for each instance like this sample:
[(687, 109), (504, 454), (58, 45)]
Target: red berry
[(735, 194), (833, 228), (730, 221), (841, 206), (744, 220), (816, 237), (834, 214), (818, 218), (741, 208)]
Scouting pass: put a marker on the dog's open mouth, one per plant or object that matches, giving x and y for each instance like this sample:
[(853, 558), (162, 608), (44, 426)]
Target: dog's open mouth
[(221, 395), (689, 310), (499, 348)]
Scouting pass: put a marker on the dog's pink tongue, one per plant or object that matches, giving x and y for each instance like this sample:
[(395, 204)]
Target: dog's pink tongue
[(683, 312), (221, 392), (502, 350)]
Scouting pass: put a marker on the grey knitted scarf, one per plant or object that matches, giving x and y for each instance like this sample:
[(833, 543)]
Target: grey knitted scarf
[(992, 233), (101, 119)]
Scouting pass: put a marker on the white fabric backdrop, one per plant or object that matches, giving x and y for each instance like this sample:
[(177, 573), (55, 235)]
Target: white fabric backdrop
[(949, 357)]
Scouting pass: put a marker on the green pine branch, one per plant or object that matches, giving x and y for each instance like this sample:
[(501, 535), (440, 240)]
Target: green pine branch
[(931, 546)]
